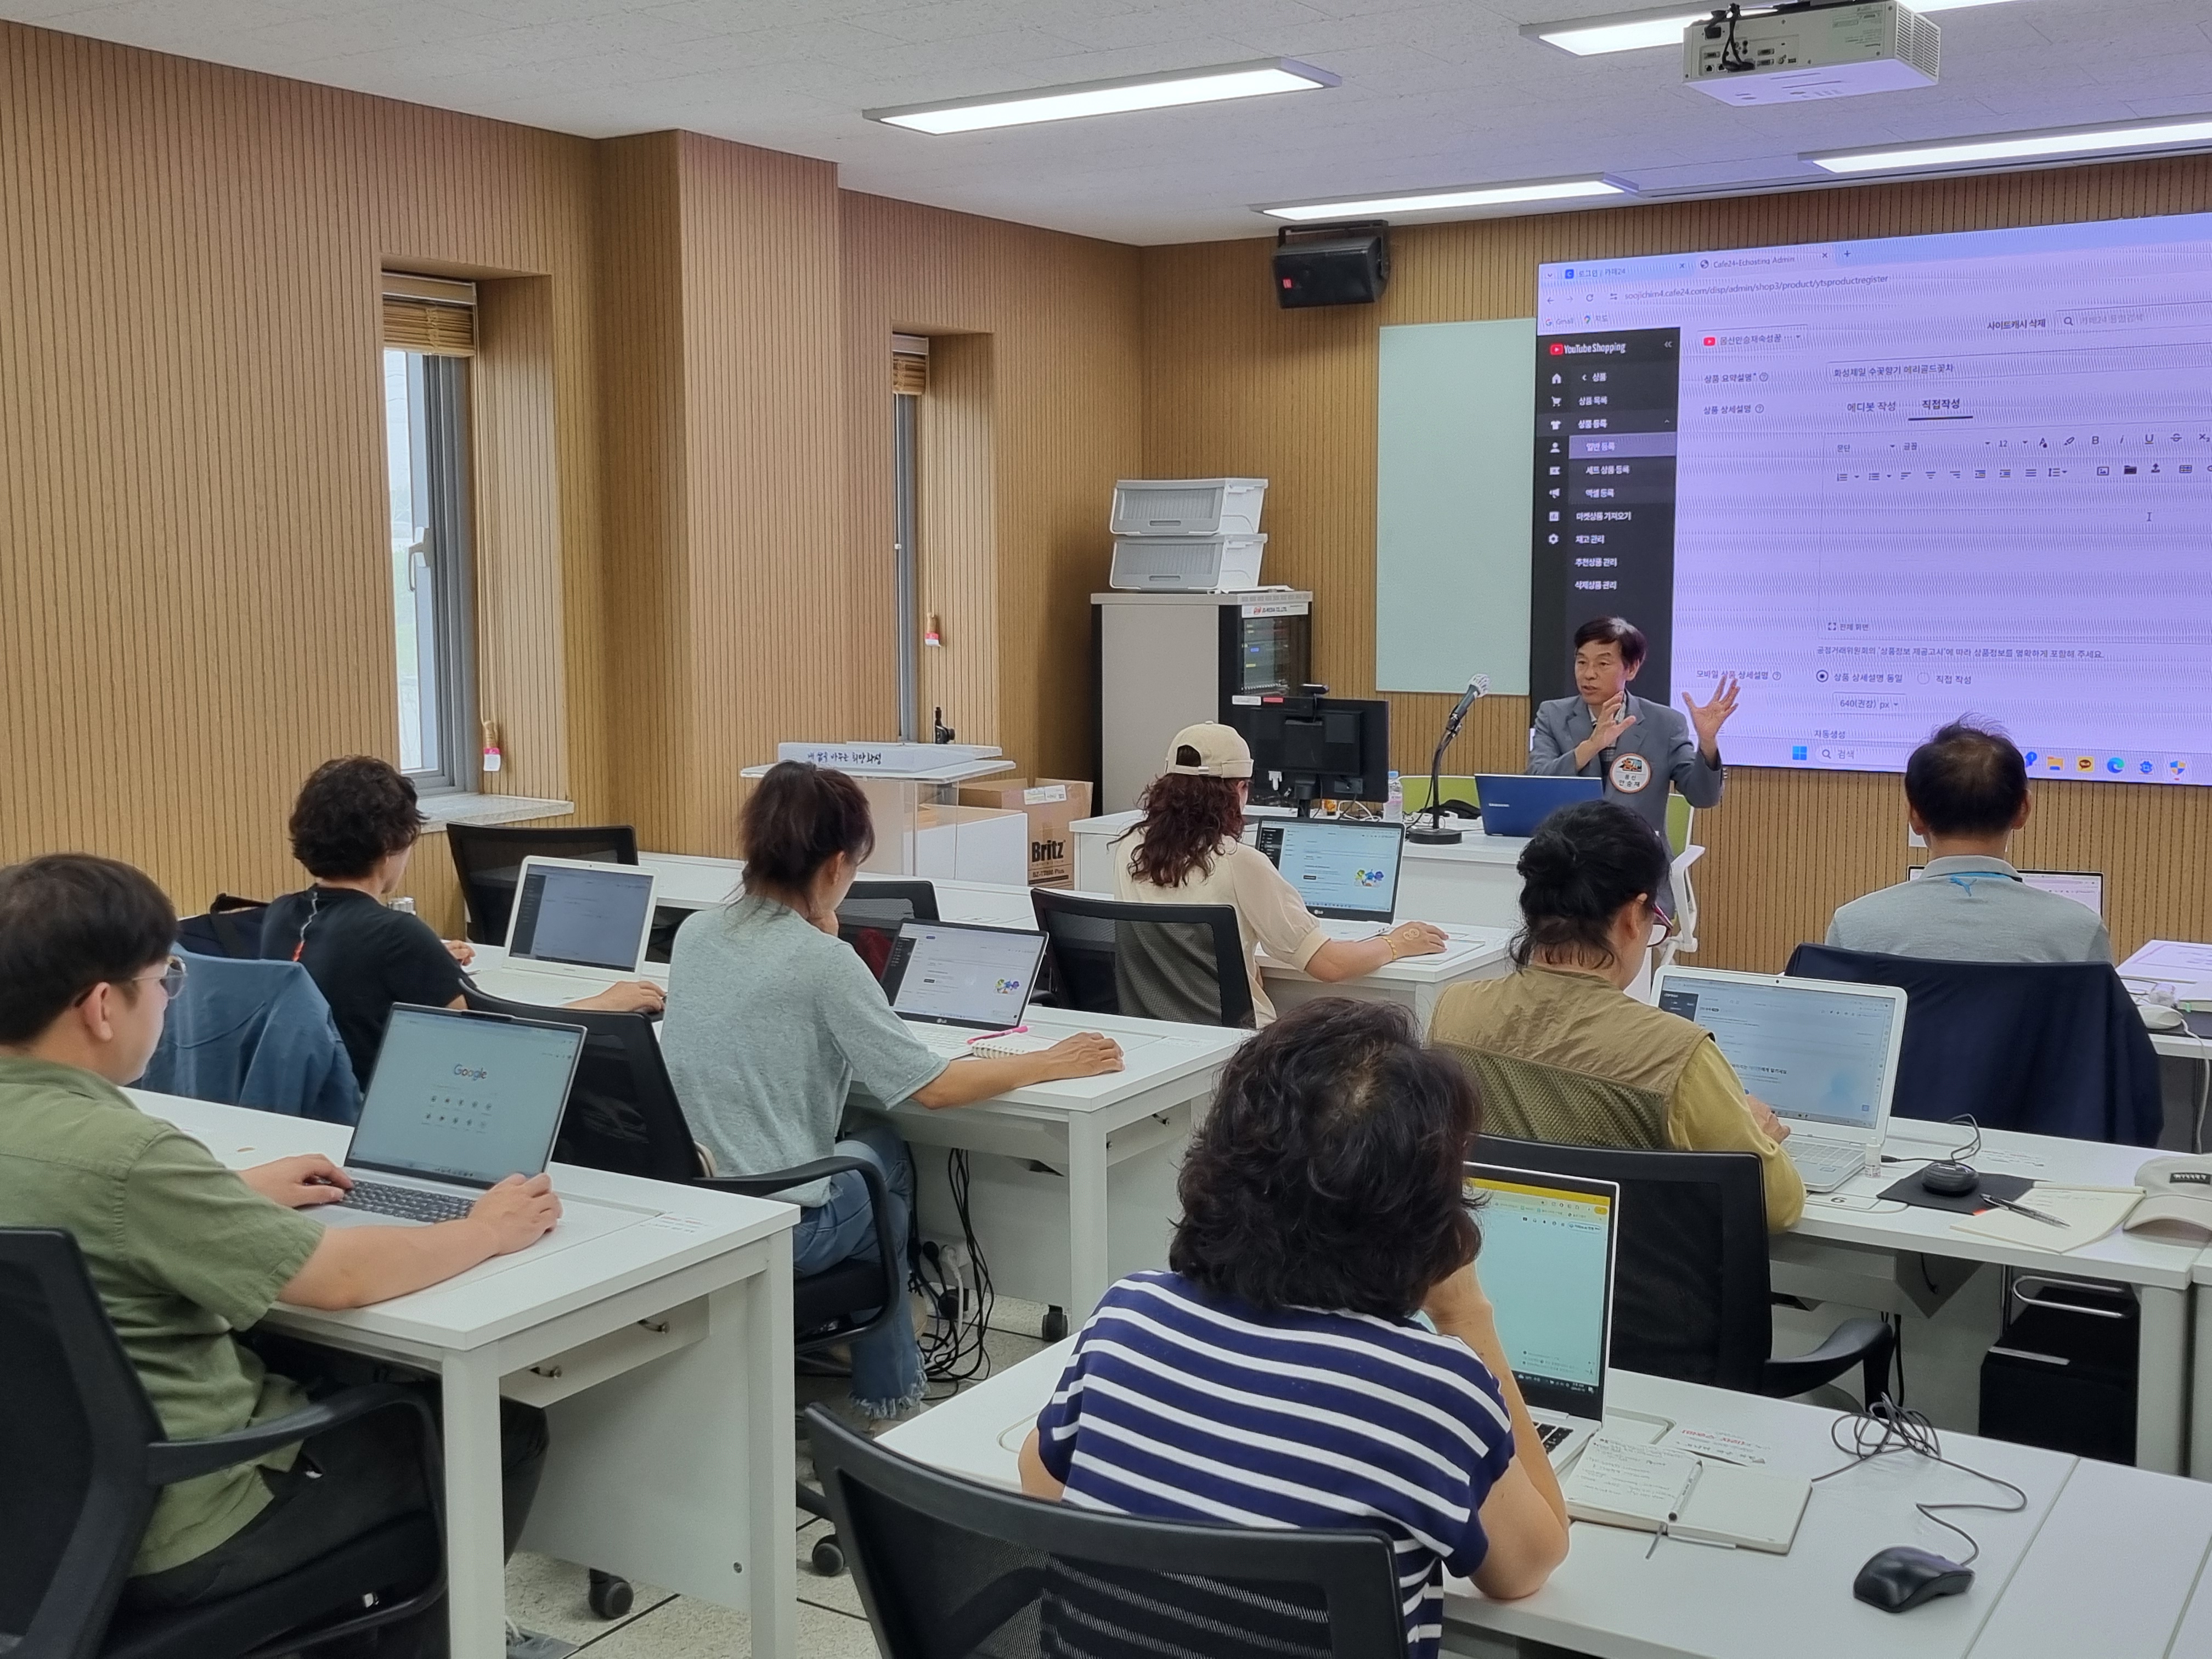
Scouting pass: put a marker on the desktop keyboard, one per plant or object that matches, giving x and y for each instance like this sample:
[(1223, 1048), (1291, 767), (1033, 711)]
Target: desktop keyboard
[(405, 1203), (1825, 1164)]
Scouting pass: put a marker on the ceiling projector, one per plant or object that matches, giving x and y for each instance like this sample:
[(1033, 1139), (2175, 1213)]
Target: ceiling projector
[(1796, 53)]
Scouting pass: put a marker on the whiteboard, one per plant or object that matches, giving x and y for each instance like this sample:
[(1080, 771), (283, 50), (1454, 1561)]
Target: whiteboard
[(1453, 453)]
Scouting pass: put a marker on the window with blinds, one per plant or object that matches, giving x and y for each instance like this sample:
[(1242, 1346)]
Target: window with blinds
[(909, 365), (430, 314)]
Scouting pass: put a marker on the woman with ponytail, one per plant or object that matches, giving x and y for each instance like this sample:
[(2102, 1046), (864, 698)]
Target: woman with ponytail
[(772, 1019), (1563, 1055)]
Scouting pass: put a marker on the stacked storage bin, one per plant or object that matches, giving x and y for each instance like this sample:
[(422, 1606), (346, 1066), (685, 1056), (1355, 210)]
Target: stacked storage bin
[(1188, 535)]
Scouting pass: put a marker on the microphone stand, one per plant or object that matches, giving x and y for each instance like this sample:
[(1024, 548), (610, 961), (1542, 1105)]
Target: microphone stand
[(1433, 834)]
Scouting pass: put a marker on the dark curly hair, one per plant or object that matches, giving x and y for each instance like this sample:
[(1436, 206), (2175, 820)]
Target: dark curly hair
[(1583, 864), (1328, 1173), (350, 813), (1185, 820), (798, 818)]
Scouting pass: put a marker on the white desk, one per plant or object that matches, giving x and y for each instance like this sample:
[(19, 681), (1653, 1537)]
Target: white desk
[(488, 972), (662, 1353), (1608, 1600), (1875, 1234), (1082, 1188), (692, 883)]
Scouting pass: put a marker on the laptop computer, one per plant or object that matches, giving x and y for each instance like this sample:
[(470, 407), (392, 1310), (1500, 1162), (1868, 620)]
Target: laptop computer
[(2084, 887), (576, 927), (1515, 803), (458, 1102), (1821, 1052), (952, 982), (1547, 1264), (1346, 870)]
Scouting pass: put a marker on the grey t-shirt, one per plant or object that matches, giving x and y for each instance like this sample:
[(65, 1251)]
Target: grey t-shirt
[(770, 1023), (1971, 910)]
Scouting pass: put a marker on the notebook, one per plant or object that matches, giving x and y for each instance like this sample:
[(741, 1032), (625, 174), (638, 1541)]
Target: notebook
[(1664, 1489)]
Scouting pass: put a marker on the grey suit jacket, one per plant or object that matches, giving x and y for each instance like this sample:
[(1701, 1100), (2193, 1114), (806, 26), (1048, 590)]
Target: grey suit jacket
[(1661, 736)]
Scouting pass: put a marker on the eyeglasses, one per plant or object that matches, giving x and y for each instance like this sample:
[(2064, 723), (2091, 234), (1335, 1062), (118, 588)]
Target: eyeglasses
[(1663, 928), (171, 979)]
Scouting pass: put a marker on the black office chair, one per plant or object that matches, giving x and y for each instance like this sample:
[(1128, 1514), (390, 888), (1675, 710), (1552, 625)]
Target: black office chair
[(488, 858), (622, 1115), (948, 1569), (874, 911), (1692, 1297), (2049, 1048), (85, 1458), (231, 927), (1179, 962)]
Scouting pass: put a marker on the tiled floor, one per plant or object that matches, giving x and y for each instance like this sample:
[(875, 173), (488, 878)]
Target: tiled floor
[(546, 1595)]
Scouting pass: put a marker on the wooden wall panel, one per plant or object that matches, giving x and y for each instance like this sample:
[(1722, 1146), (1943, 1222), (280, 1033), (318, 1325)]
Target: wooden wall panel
[(1064, 317), (1234, 385), (956, 566)]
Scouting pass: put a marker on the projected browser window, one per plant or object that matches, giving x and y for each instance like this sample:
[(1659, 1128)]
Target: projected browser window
[(1899, 481)]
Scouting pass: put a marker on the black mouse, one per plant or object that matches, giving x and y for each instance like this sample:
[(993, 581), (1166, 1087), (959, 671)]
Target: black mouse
[(1950, 1180), (1901, 1578)]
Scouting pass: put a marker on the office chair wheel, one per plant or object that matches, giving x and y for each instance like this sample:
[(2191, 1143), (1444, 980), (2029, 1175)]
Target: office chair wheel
[(829, 1557), (1055, 1324), (610, 1596)]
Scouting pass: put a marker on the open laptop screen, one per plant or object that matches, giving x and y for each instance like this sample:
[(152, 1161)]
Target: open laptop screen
[(1547, 1264), (1814, 1051), (470, 1098), (956, 975), (594, 915), (1346, 870)]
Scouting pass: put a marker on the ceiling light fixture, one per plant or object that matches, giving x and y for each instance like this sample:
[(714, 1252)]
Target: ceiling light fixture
[(1134, 92), (2190, 130), (1635, 31), (1436, 201)]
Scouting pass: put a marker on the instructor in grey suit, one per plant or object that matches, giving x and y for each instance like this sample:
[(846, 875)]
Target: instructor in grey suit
[(1637, 748)]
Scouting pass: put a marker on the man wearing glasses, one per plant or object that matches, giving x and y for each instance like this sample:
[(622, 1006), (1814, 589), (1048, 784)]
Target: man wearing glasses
[(184, 1252)]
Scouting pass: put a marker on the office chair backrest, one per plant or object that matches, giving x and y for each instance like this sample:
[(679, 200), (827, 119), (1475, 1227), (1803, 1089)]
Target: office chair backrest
[(874, 911), (2050, 1048), (74, 1424), (623, 1114), (489, 858), (231, 927), (950, 1570), (1178, 962), (1690, 1289), (1532, 1101)]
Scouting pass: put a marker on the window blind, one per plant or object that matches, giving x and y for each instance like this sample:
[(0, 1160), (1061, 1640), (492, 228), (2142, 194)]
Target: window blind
[(909, 365), (430, 314)]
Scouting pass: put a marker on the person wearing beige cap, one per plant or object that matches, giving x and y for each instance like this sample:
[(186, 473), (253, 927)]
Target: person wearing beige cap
[(1187, 849)]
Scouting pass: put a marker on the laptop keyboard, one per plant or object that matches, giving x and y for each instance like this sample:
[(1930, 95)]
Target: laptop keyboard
[(406, 1203), (1829, 1163), (1553, 1433)]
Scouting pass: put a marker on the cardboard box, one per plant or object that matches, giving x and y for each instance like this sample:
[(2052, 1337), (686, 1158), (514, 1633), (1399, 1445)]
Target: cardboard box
[(1052, 805)]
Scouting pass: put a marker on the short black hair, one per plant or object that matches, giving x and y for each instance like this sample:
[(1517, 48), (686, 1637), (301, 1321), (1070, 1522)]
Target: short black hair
[(70, 922), (1583, 864), (798, 818), (1614, 630), (1966, 779), (1328, 1172), (351, 812)]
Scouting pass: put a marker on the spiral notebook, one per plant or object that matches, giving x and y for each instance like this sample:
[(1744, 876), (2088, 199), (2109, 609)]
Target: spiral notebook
[(1699, 1499)]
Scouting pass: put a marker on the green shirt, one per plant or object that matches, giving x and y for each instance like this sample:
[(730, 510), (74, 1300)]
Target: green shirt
[(183, 1253)]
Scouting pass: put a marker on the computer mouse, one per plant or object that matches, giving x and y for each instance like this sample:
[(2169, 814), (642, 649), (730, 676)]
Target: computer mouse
[(1950, 1180), (1901, 1578)]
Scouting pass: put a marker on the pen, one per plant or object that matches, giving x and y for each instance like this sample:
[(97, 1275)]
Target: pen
[(1696, 1469), (2022, 1209), (1012, 1031)]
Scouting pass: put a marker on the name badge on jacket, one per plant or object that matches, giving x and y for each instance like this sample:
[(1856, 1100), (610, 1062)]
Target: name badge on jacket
[(1630, 773)]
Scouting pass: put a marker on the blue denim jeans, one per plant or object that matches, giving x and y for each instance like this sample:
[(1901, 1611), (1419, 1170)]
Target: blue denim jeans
[(887, 1362)]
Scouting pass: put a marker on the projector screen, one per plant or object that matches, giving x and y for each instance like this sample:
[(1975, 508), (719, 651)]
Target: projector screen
[(1889, 483)]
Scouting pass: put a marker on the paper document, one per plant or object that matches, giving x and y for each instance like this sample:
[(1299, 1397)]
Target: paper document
[(2088, 1212), (1625, 1485), (2171, 960), (1699, 1499)]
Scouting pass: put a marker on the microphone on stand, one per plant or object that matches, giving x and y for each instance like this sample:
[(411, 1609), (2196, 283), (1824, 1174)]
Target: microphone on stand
[(1433, 834)]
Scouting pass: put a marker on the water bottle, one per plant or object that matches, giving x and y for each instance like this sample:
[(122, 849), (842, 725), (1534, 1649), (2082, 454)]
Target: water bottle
[(1393, 803)]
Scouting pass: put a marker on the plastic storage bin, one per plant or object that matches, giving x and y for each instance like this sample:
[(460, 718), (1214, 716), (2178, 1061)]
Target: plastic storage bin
[(1186, 564), (1187, 507)]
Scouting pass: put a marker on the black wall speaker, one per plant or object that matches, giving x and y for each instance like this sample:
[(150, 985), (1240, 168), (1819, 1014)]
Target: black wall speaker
[(1332, 264)]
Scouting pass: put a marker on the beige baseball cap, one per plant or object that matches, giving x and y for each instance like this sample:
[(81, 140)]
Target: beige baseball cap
[(2177, 1202), (1221, 751)]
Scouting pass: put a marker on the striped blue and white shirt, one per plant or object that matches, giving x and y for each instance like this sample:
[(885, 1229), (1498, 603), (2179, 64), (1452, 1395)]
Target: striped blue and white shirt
[(1181, 1407)]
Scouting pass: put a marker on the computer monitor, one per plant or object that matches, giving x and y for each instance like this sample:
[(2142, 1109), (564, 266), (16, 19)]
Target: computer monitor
[(951, 973), (1547, 1264), (1343, 868), (1309, 748), (590, 915), (465, 1097), (2084, 887)]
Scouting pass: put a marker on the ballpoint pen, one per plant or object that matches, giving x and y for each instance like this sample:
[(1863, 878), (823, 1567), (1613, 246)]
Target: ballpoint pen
[(2022, 1209)]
